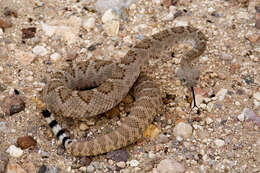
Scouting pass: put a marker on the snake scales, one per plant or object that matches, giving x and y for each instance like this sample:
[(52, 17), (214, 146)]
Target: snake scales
[(68, 92)]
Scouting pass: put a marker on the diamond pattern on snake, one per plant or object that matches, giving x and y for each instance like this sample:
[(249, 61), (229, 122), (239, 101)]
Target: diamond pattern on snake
[(67, 91)]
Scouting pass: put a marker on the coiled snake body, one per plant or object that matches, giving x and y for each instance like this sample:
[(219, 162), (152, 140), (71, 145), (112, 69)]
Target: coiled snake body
[(65, 92)]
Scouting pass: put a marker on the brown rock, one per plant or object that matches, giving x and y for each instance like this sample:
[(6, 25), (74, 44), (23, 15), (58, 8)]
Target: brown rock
[(26, 142), (25, 58), (14, 168), (253, 38), (28, 32), (13, 104), (151, 132), (5, 24)]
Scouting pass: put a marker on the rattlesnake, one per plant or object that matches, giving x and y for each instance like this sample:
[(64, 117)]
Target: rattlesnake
[(88, 88)]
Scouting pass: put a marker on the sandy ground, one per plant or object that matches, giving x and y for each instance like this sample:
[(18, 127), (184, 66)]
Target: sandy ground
[(222, 139)]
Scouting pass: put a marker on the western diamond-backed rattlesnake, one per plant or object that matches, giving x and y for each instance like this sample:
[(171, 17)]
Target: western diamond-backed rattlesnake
[(66, 91)]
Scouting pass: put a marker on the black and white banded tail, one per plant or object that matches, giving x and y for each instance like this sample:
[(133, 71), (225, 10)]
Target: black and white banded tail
[(56, 128)]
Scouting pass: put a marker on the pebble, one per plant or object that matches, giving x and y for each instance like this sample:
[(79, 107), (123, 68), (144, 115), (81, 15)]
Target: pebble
[(28, 32), (180, 23), (241, 117), (109, 15), (253, 38), (183, 130), (5, 24), (26, 142), (219, 142), (40, 50), (121, 164), (14, 168), (209, 120), (1, 69), (112, 27), (103, 5), (42, 169), (89, 23), (55, 56), (90, 168), (226, 57), (257, 96), (3, 127), (67, 29), (151, 131), (12, 104), (170, 166), (118, 155), (221, 94), (54, 170), (1, 32), (25, 58), (134, 163), (250, 115), (14, 151)]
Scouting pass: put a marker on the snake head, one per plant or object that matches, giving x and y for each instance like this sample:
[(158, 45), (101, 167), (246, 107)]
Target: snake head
[(188, 76)]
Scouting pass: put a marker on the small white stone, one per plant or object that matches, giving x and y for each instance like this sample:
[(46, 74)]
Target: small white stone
[(134, 163), (112, 27), (180, 23), (83, 169), (89, 23), (121, 164), (1, 32), (257, 96), (14, 151), (209, 120), (109, 15), (183, 130), (55, 56), (48, 29), (241, 117), (237, 103), (219, 142), (170, 166), (90, 168), (40, 50), (1, 69), (221, 94), (210, 9), (210, 107), (256, 103), (169, 16)]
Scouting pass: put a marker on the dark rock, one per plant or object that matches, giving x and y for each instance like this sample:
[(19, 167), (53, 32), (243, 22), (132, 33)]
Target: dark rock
[(13, 104), (85, 161), (118, 155), (28, 32), (92, 47), (249, 80), (215, 14), (60, 150), (26, 142), (42, 169)]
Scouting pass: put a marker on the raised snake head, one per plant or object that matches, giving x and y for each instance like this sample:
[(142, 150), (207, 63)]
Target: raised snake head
[(188, 75)]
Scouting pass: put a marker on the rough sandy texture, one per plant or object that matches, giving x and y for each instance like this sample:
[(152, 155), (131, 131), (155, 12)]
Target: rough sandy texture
[(222, 140)]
